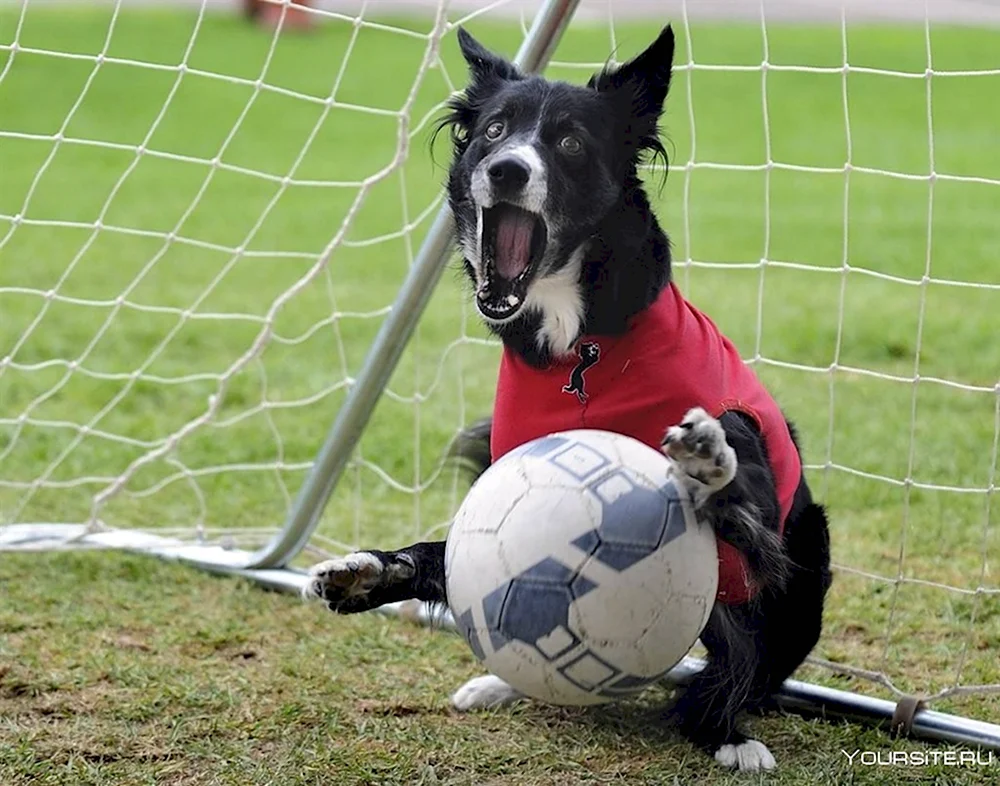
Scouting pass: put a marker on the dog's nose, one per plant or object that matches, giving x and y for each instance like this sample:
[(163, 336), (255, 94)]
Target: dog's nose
[(509, 173)]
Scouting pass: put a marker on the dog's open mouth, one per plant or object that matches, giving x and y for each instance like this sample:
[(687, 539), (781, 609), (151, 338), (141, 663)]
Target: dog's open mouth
[(513, 242)]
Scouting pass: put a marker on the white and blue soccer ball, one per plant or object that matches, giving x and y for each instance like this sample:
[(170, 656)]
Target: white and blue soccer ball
[(576, 569)]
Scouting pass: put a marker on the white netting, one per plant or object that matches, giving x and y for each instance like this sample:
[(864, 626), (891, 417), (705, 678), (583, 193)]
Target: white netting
[(202, 225)]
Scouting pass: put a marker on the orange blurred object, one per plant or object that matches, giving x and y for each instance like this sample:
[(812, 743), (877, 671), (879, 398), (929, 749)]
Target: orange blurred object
[(269, 14)]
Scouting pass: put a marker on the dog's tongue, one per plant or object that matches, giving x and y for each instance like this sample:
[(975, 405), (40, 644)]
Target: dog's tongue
[(513, 245)]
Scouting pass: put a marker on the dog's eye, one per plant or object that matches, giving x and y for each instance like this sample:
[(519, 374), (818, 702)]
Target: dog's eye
[(494, 130), (571, 145)]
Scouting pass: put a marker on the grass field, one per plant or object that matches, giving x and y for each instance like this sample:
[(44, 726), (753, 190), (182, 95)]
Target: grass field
[(117, 670)]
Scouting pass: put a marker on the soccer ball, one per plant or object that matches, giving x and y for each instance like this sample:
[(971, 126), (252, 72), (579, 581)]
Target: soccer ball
[(576, 569)]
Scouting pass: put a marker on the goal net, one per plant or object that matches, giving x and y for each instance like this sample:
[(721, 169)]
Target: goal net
[(205, 222)]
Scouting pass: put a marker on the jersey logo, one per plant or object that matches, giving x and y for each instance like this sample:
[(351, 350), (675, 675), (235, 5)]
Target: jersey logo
[(590, 353)]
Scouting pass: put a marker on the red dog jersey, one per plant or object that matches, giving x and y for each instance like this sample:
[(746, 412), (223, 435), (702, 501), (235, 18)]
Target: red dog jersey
[(639, 384)]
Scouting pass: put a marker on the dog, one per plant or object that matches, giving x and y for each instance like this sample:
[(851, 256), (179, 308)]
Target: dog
[(571, 270)]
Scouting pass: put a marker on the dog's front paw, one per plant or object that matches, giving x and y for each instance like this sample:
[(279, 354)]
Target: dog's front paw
[(748, 756), (698, 447), (480, 693), (352, 583)]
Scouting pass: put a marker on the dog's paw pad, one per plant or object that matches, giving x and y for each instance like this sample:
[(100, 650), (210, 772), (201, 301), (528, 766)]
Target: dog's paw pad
[(484, 692), (699, 448), (749, 756), (341, 578), (353, 574)]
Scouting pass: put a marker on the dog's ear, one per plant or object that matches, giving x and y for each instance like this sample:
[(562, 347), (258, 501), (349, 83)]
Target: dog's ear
[(483, 64), (488, 72), (644, 80)]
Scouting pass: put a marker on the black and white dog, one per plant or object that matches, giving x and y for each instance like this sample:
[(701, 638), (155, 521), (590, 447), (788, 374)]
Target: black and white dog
[(571, 270)]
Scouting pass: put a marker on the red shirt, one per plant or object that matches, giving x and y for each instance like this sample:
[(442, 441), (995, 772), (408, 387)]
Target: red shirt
[(639, 384)]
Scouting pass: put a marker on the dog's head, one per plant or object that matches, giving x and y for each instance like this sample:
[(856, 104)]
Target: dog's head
[(589, 351), (539, 164)]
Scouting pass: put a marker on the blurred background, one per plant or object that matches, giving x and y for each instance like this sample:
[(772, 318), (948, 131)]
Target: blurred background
[(207, 208)]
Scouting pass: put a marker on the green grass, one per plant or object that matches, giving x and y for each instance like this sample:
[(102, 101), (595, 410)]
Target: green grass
[(242, 717), (123, 670)]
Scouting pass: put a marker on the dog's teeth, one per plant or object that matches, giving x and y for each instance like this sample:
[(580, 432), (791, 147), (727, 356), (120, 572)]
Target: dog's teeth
[(513, 300)]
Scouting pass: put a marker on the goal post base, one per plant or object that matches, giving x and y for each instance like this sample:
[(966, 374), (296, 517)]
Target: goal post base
[(210, 557), (800, 698)]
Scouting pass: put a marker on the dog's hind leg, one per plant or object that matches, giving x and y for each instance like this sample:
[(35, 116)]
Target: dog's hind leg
[(707, 710), (366, 580)]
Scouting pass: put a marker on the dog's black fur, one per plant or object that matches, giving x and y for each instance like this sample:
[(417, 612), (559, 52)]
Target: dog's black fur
[(602, 241)]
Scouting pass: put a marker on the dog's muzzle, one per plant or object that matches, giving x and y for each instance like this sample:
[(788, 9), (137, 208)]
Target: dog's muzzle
[(512, 245)]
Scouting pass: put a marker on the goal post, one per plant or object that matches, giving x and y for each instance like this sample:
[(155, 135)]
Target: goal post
[(437, 249), (139, 333)]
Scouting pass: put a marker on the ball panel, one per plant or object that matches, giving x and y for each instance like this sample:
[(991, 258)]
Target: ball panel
[(556, 642), (581, 585), (467, 627), (540, 447), (491, 498), (688, 613), (677, 519), (589, 672), (582, 460), (631, 514), (543, 523), (533, 611), (474, 568), (629, 685), (628, 452), (526, 669), (619, 556), (612, 622)]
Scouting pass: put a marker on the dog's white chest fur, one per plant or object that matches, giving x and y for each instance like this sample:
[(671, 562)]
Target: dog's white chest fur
[(559, 300)]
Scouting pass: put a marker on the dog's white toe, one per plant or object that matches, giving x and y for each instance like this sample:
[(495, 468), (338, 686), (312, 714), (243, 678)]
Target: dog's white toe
[(750, 756), (480, 693), (353, 574), (699, 449)]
